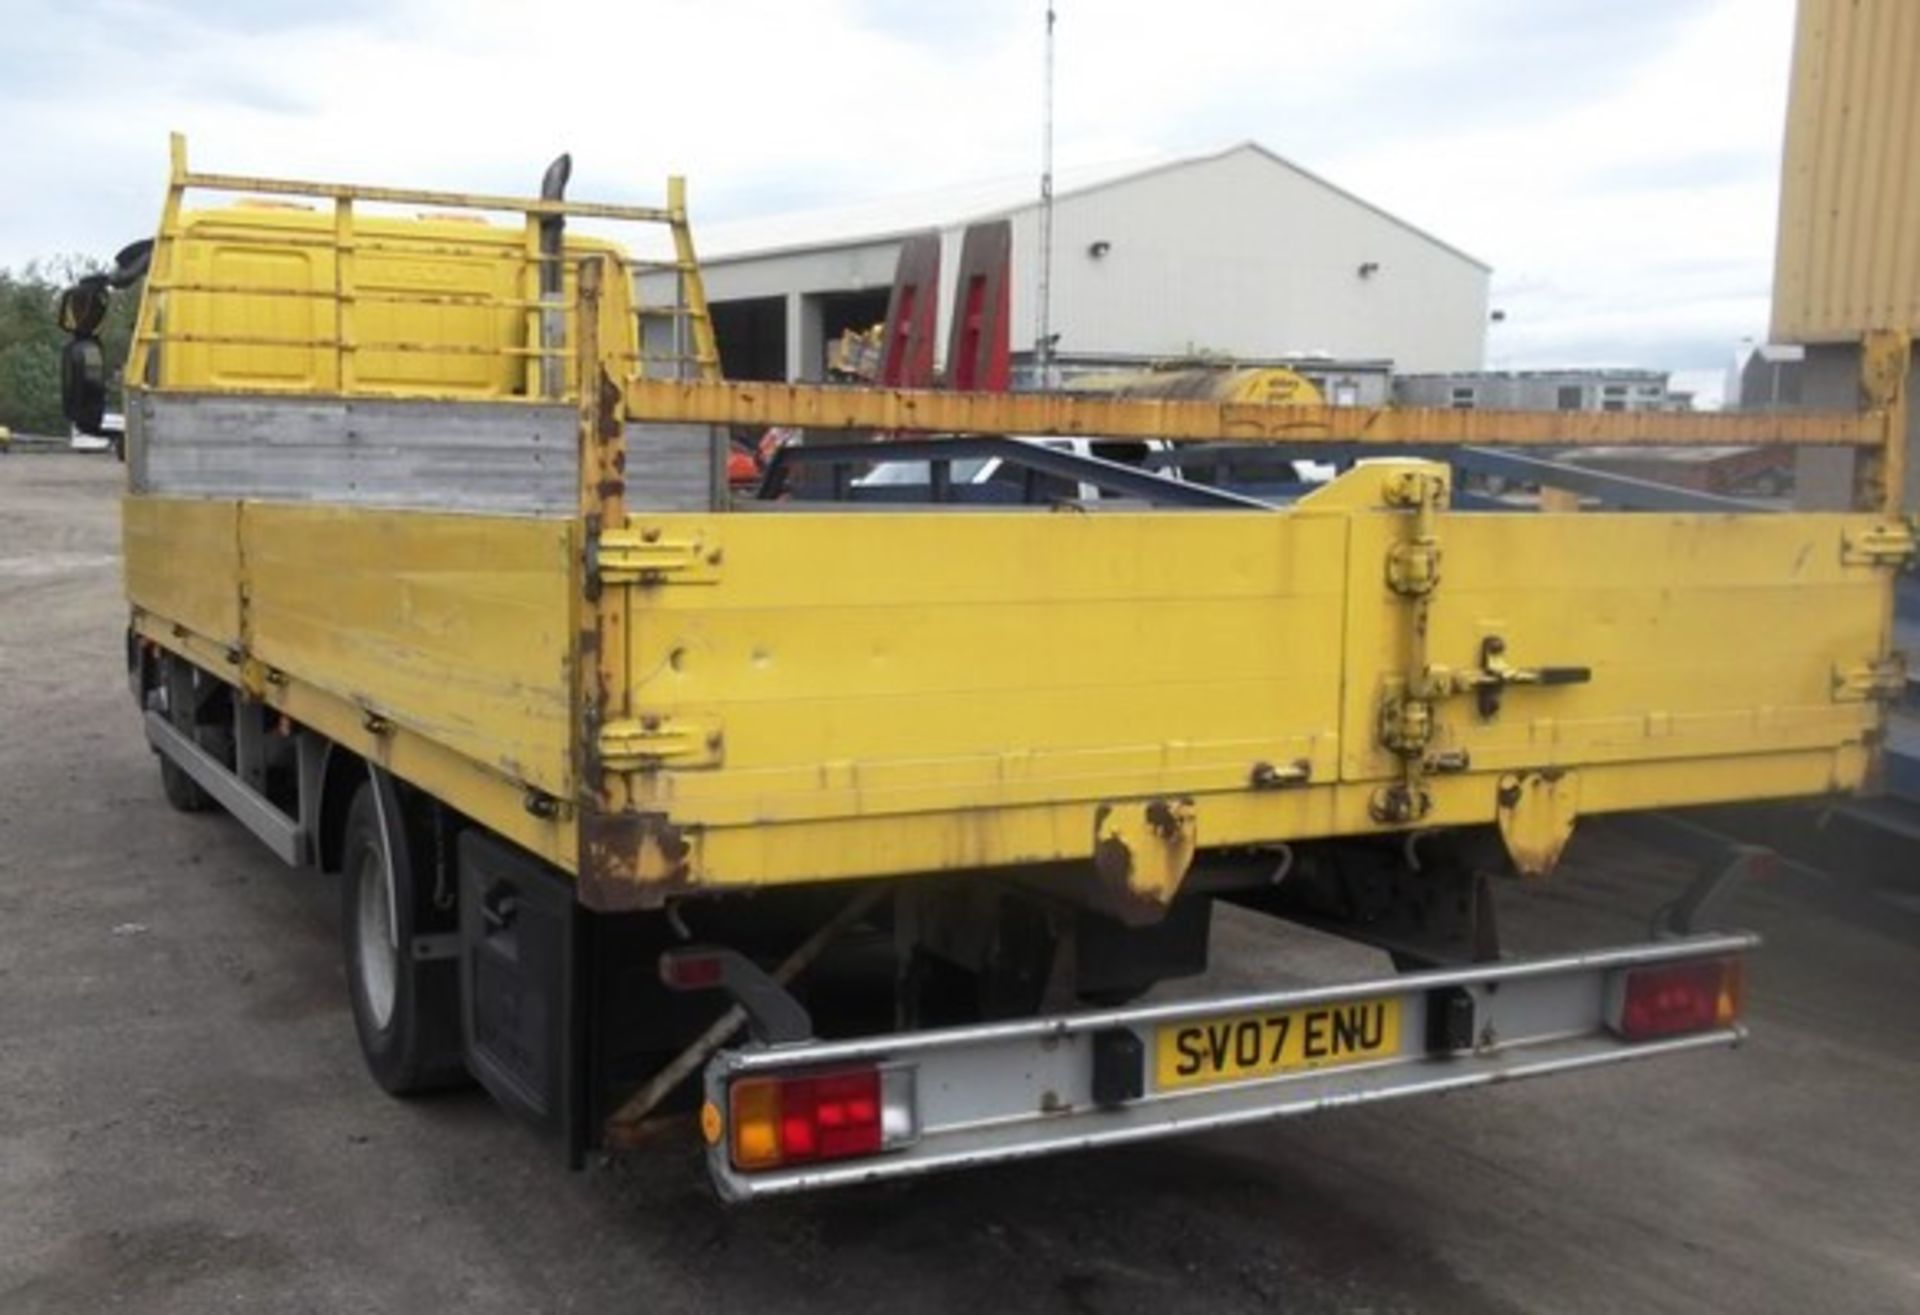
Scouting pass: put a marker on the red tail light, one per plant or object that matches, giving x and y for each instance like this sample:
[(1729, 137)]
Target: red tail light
[(830, 1118), (1673, 999), (690, 970), (824, 1116)]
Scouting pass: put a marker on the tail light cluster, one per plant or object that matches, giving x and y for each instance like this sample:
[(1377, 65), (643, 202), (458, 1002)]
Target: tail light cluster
[(1673, 999), (777, 1121)]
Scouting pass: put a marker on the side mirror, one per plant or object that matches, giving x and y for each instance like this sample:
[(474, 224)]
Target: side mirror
[(83, 306), (130, 264), (83, 385)]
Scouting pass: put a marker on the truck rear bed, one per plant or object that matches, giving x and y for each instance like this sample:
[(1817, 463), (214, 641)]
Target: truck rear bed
[(508, 639)]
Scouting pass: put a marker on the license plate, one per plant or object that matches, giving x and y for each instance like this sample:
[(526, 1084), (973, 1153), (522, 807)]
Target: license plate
[(1237, 1047)]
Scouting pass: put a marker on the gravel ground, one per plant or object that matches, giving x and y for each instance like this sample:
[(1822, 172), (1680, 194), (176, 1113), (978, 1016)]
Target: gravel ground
[(185, 1124)]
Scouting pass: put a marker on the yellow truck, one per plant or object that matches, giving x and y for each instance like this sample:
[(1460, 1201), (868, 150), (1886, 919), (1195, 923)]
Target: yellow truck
[(864, 830)]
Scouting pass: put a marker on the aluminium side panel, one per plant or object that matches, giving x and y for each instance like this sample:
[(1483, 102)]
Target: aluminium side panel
[(490, 457)]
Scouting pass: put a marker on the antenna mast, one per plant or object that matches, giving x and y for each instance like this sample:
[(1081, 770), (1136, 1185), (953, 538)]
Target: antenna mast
[(1043, 343)]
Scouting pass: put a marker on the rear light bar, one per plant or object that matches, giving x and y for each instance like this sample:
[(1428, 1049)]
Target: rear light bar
[(1674, 999), (801, 1117), (776, 1121)]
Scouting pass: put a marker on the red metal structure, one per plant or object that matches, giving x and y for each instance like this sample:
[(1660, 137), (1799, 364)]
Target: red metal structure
[(906, 350), (979, 353)]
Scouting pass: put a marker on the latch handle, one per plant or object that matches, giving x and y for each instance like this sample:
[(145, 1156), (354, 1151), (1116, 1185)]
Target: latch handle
[(1496, 674)]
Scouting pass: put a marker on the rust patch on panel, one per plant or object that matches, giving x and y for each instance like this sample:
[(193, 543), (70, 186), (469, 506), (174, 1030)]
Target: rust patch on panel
[(632, 860), (612, 398), (1141, 853)]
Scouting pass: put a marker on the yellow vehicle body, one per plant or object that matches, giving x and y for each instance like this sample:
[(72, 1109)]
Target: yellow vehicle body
[(263, 314), (1257, 385), (666, 703)]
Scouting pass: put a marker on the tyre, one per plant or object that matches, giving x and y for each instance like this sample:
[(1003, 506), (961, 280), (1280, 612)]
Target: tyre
[(406, 1010), (182, 791)]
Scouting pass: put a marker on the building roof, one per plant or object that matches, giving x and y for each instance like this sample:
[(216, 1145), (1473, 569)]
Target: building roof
[(892, 218)]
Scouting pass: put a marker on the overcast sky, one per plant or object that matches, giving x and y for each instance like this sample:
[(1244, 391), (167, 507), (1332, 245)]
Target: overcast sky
[(1616, 161)]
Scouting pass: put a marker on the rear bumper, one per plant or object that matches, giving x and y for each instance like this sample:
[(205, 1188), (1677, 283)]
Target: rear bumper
[(1008, 1091)]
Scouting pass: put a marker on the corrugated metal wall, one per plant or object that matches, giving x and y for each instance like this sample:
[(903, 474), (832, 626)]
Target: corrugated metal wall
[(1849, 246)]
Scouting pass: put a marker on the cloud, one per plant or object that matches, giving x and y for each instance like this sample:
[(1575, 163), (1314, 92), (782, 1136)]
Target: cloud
[(1616, 160)]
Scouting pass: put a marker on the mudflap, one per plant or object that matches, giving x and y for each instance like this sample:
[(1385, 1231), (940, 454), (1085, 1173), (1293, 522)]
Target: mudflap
[(521, 975)]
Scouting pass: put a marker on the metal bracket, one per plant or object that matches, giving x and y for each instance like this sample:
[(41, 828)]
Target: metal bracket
[(1443, 913), (647, 556), (1885, 678), (436, 946), (623, 1126), (1536, 811), (1280, 776), (1143, 851), (1892, 544), (1886, 355), (645, 742), (1720, 865), (1399, 804), (773, 1016)]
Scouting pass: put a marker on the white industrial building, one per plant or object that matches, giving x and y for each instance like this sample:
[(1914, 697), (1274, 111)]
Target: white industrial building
[(1238, 253), (1572, 389)]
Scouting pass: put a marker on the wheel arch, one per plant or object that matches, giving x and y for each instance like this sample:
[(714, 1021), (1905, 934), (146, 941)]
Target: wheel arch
[(341, 774)]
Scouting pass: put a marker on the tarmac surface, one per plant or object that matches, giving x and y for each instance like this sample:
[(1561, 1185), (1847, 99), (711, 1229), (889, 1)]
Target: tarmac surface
[(185, 1124)]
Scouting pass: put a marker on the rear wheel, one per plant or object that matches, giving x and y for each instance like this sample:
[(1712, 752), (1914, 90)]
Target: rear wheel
[(182, 791), (405, 1008)]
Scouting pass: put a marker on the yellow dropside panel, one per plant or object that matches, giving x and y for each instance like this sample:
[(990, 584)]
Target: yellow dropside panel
[(452, 626), (845, 695), (888, 664), (1706, 636), (861, 845), (182, 562)]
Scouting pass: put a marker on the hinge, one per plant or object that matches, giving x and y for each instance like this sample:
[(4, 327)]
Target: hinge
[(1413, 565), (1415, 488), (646, 742), (1399, 803), (1406, 724), (1882, 679), (649, 556), (1413, 569)]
